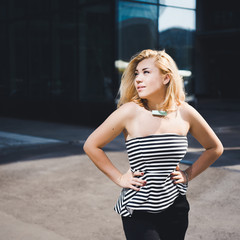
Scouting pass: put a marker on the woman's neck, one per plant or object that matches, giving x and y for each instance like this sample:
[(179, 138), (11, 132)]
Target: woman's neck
[(155, 105)]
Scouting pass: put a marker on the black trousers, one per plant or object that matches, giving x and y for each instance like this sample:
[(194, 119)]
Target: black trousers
[(171, 224)]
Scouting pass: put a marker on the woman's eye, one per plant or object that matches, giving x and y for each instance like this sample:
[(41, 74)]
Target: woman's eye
[(146, 72), (135, 73)]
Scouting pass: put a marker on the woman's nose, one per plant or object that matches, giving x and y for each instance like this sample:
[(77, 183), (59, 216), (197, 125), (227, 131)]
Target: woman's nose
[(138, 79)]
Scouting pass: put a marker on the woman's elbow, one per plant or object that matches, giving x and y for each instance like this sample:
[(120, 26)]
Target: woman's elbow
[(219, 149), (86, 147), (90, 147)]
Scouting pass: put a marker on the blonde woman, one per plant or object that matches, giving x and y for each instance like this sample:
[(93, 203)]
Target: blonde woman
[(155, 120)]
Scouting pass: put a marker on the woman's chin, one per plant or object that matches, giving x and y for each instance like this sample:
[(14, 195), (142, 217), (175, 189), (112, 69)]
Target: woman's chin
[(142, 96)]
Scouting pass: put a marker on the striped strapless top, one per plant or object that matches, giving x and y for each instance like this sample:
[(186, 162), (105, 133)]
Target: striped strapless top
[(157, 156)]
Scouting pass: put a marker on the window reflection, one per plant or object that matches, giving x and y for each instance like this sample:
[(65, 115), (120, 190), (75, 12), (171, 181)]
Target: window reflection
[(63, 51), (183, 18), (4, 61), (95, 53), (176, 34), (18, 59), (175, 22), (181, 3), (63, 83), (148, 1), (137, 28), (39, 59)]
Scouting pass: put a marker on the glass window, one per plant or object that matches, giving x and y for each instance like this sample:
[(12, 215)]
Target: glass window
[(64, 58), (63, 6), (4, 62), (3, 9), (39, 59), (176, 34), (96, 46), (38, 7), (180, 3), (18, 60), (148, 1), (137, 28), (89, 1), (17, 8)]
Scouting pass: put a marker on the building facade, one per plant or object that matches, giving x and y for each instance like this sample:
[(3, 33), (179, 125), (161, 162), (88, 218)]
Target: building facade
[(62, 60), (217, 49)]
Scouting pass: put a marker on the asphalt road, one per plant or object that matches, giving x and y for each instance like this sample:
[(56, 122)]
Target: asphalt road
[(51, 190)]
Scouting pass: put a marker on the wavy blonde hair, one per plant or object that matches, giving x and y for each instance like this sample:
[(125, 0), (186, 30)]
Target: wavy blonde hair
[(175, 94)]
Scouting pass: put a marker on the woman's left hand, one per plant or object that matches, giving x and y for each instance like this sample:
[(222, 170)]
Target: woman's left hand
[(178, 176)]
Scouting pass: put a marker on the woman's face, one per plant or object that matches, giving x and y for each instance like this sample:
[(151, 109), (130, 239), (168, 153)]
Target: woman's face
[(150, 83)]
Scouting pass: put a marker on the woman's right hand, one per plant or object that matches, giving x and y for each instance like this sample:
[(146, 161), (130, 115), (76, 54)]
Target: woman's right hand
[(130, 180)]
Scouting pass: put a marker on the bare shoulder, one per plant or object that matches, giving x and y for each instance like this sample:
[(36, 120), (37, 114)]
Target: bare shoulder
[(189, 112), (113, 125), (129, 106), (129, 109)]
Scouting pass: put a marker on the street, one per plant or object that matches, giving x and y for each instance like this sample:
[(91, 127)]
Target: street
[(51, 190)]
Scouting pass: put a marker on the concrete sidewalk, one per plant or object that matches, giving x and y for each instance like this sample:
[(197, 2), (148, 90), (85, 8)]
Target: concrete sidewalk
[(51, 190)]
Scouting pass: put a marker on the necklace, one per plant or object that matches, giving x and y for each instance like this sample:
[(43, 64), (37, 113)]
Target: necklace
[(159, 113)]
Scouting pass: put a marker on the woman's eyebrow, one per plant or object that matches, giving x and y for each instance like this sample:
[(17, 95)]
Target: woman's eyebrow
[(145, 68), (142, 69)]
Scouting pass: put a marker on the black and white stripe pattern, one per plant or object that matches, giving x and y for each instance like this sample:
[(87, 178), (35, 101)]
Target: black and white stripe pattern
[(157, 156)]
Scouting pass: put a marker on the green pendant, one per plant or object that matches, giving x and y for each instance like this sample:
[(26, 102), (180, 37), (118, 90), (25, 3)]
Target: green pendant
[(159, 113)]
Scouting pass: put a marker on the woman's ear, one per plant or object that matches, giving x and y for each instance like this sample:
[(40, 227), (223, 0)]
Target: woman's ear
[(166, 79)]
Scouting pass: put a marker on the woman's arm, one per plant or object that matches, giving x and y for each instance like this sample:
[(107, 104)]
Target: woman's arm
[(104, 134), (203, 133)]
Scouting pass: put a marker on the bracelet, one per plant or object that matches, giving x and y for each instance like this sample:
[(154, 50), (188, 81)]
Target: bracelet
[(187, 178)]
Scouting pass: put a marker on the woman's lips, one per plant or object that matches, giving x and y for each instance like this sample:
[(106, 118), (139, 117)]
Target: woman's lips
[(139, 88)]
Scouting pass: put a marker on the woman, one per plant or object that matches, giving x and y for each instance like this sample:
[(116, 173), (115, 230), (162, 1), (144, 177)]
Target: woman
[(155, 120)]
